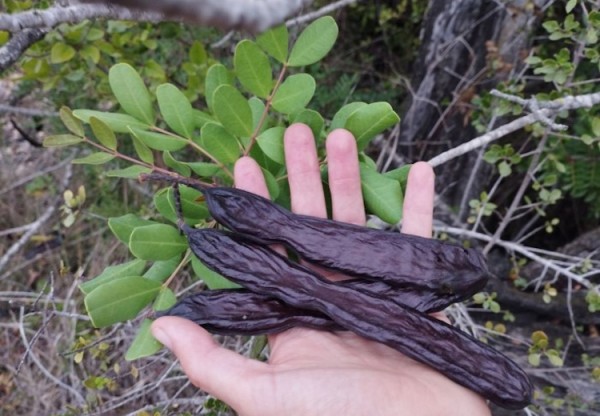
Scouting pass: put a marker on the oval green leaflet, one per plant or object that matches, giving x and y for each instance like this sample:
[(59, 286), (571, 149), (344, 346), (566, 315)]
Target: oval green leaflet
[(315, 41), (253, 69), (120, 300), (131, 92), (157, 242)]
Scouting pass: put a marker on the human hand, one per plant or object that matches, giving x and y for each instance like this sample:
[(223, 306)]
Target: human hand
[(313, 372)]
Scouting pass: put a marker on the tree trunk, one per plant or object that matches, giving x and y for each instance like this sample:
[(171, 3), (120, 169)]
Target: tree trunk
[(459, 42)]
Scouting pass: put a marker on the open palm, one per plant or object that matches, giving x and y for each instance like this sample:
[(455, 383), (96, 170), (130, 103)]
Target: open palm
[(312, 372)]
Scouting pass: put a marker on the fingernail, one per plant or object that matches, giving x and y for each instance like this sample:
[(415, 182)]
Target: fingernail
[(161, 336)]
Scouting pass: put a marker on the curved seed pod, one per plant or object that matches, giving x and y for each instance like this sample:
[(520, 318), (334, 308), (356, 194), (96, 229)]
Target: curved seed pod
[(241, 312), (460, 357), (397, 259)]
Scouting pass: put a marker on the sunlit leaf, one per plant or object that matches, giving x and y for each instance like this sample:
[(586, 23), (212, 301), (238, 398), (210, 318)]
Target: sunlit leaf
[(271, 143), (97, 158), (314, 42), (219, 143), (131, 268), (216, 76), (383, 196), (131, 92), (253, 69), (103, 133), (123, 226), (232, 110), (275, 42), (131, 172), (144, 344), (370, 120), (157, 242), (294, 93), (159, 141), (120, 300), (62, 140), (119, 123), (176, 109)]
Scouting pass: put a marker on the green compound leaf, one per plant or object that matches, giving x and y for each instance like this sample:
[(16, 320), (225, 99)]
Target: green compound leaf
[(120, 300), (294, 93), (103, 133), (257, 106), (233, 111), (132, 172), (340, 118), (119, 123), (62, 140), (161, 270), (131, 92), (216, 76), (219, 143), (159, 141), (144, 344), (157, 242), (61, 52), (253, 69), (383, 196), (71, 122), (275, 42), (176, 110), (97, 158), (271, 143), (368, 121), (131, 268), (315, 41), (123, 226), (212, 279)]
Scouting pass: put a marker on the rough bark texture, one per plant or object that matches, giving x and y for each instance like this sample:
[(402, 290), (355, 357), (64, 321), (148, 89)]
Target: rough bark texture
[(459, 40), (15, 47)]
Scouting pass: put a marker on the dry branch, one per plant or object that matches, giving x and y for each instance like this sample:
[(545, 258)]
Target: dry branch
[(14, 48), (547, 108), (250, 15)]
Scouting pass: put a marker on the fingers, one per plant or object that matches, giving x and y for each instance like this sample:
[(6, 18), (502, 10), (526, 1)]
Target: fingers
[(304, 174), (418, 201), (214, 369), (249, 177), (344, 178)]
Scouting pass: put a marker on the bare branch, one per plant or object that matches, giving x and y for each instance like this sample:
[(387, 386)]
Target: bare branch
[(14, 48), (522, 250), (548, 108), (250, 15), (53, 16)]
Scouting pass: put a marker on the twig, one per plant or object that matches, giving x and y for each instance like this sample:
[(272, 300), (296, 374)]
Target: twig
[(36, 225), (27, 111), (521, 249), (321, 12), (565, 103), (29, 353), (20, 41), (31, 177), (51, 17), (250, 15)]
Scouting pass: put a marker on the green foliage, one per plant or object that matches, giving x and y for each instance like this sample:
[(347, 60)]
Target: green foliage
[(247, 111)]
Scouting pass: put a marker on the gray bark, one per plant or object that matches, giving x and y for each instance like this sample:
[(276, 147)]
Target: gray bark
[(457, 39), (14, 48)]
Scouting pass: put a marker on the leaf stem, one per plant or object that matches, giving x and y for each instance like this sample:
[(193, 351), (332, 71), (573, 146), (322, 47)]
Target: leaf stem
[(198, 148), (265, 113), (180, 266)]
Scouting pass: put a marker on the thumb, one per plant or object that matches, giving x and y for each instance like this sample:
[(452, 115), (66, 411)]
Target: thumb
[(214, 369)]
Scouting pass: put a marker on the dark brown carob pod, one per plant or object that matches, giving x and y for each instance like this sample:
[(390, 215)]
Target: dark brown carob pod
[(460, 357), (242, 312), (398, 259)]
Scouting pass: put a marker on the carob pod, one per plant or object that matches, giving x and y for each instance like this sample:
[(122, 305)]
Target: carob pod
[(242, 312), (398, 259), (460, 357), (395, 258)]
